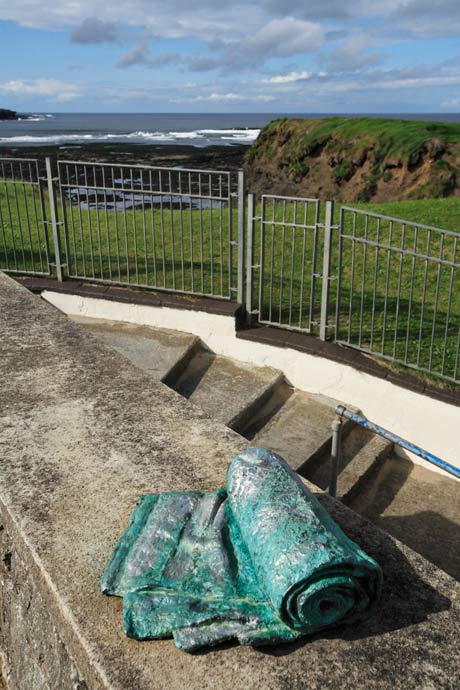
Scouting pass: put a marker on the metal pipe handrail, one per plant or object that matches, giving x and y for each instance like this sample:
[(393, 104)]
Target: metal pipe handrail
[(342, 411)]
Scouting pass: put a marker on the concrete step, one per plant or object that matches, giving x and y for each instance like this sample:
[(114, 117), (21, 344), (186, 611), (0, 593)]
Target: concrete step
[(159, 352), (362, 454), (300, 430), (229, 392)]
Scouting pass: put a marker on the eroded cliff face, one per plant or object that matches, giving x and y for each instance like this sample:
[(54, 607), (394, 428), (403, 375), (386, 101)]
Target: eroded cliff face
[(356, 159)]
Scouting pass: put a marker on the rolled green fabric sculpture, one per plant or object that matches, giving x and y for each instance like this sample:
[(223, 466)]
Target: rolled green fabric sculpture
[(261, 561)]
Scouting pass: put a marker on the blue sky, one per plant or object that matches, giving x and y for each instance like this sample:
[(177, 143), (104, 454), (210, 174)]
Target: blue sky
[(295, 56)]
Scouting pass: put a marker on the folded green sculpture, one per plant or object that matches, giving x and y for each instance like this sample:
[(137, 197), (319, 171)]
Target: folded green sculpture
[(261, 561)]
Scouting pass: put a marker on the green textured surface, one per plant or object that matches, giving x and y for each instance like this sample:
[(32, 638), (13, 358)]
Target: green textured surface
[(261, 562)]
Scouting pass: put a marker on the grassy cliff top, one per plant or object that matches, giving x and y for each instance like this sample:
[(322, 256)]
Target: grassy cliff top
[(357, 159), (393, 137)]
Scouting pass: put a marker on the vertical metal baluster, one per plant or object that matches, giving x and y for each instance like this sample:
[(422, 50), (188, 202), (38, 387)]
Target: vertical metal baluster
[(211, 231), (221, 254), (387, 285), (98, 222), (411, 293), (115, 222), (68, 193), (352, 278), (90, 227), (339, 274), (65, 220), (133, 212), (173, 245), (314, 259), (201, 233), (422, 311), (152, 211), (10, 217), (302, 271), (363, 280), (398, 298), (292, 263), (162, 225), (144, 227), (374, 292), (283, 242), (230, 252), (272, 258), (250, 260), (436, 300), (26, 207), (34, 184), (16, 202), (3, 231), (80, 218), (106, 216), (449, 303), (125, 224), (192, 267), (262, 257), (181, 219)]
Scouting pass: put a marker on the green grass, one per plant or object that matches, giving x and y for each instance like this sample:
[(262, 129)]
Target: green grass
[(394, 137), (392, 304)]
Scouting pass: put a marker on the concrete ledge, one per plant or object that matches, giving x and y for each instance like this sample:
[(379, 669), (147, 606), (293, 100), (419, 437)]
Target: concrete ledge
[(83, 433)]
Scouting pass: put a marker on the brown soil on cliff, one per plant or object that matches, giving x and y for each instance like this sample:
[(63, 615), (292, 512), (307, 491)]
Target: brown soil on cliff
[(356, 159)]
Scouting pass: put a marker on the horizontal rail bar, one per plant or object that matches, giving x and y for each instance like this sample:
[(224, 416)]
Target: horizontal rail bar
[(142, 191), (410, 223), (342, 411), (400, 250), (285, 224), (118, 166), (290, 198)]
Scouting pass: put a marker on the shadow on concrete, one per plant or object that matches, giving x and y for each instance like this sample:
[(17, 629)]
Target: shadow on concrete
[(430, 534), (406, 601)]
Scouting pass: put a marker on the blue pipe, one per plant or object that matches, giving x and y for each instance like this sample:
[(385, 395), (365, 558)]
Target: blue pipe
[(362, 421)]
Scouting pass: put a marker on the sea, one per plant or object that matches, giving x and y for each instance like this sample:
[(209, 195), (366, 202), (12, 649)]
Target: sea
[(70, 130)]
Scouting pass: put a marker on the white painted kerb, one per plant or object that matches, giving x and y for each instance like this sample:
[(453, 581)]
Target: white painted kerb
[(428, 423)]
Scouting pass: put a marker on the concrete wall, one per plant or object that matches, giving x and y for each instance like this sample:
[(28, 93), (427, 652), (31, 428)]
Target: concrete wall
[(429, 423)]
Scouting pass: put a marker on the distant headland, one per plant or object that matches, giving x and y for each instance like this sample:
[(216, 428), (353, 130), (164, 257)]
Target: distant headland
[(6, 114)]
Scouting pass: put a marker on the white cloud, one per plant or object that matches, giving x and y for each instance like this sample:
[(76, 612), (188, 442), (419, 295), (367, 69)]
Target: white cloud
[(288, 78), (54, 89)]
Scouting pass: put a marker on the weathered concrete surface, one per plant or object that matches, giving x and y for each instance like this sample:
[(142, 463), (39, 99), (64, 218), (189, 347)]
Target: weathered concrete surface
[(155, 350), (418, 506), (300, 428), (83, 433), (228, 391)]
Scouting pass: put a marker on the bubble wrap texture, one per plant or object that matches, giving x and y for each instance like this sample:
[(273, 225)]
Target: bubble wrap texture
[(261, 561)]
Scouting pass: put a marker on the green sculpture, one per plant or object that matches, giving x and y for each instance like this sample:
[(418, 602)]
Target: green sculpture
[(261, 561)]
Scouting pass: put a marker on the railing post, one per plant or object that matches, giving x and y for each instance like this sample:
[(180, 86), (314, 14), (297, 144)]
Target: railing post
[(250, 259), (54, 220), (328, 221), (336, 452), (241, 224)]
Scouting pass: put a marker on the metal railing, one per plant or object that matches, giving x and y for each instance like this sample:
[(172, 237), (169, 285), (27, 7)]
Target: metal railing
[(24, 245), (382, 285), (336, 451), (398, 291), (163, 228)]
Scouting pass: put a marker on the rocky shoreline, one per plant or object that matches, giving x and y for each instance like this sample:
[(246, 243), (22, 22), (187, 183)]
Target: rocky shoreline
[(210, 157)]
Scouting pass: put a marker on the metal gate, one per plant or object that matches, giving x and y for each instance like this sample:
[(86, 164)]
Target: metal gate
[(289, 262), (24, 206)]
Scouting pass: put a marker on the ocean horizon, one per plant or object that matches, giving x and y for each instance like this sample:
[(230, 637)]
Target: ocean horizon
[(70, 130)]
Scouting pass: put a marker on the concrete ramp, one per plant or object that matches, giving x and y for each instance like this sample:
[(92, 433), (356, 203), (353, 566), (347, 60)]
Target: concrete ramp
[(83, 433)]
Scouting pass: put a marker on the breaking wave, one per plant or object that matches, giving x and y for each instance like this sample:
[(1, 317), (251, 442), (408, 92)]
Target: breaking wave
[(199, 137)]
